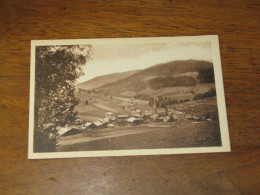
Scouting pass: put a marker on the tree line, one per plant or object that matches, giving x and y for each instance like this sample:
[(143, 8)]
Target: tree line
[(206, 75), (160, 101)]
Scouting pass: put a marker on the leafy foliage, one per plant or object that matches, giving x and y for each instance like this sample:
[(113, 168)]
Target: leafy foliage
[(144, 97), (57, 68), (160, 101)]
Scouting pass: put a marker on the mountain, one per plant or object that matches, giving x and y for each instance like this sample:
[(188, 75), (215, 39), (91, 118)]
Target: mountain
[(141, 80), (176, 67), (98, 82)]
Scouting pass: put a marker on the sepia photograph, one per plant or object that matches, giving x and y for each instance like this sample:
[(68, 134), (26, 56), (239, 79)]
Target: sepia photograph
[(126, 96)]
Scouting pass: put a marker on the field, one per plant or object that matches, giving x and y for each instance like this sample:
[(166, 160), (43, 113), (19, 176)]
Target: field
[(99, 104), (166, 135)]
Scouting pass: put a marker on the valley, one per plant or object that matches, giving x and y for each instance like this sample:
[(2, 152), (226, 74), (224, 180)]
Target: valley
[(130, 112)]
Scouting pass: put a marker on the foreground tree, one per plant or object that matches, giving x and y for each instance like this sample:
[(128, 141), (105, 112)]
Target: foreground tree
[(57, 68)]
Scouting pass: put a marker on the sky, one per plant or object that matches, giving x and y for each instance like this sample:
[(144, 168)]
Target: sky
[(108, 59)]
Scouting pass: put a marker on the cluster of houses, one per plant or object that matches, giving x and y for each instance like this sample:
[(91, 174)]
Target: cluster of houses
[(111, 120), (136, 117)]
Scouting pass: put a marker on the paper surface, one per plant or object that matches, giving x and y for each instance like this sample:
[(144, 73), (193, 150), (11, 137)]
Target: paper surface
[(126, 96)]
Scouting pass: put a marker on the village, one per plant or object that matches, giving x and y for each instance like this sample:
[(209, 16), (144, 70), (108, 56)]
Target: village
[(135, 117)]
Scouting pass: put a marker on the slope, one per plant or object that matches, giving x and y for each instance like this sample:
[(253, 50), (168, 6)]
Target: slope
[(141, 81), (105, 79)]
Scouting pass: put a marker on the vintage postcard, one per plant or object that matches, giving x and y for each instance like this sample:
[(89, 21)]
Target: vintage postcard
[(126, 96)]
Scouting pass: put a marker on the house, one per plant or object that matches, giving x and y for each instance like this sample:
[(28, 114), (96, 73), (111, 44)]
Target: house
[(147, 116), (99, 124), (134, 121), (154, 117), (90, 125), (121, 119), (166, 119), (104, 122)]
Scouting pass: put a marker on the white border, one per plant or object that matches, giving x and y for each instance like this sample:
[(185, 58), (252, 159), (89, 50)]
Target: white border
[(213, 39)]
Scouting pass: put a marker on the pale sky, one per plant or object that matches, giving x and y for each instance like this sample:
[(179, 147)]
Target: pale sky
[(108, 59)]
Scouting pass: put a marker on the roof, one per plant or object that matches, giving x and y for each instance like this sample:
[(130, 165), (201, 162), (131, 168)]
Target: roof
[(166, 118), (154, 116), (98, 123), (132, 119)]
